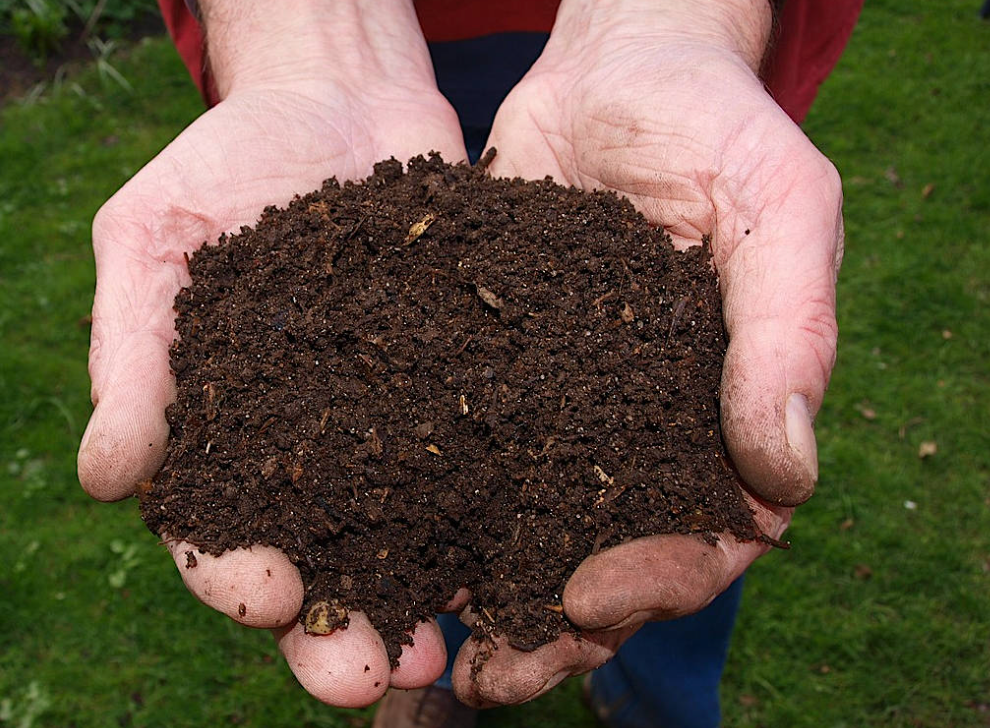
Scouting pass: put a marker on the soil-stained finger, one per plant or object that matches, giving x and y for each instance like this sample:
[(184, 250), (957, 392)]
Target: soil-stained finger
[(663, 577), (508, 676), (347, 668), (778, 285), (125, 439), (257, 586)]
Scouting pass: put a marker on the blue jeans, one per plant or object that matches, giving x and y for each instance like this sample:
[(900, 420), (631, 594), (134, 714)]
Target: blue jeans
[(667, 675)]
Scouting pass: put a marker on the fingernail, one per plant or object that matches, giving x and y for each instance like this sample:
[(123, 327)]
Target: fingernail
[(550, 684), (800, 433), (556, 680), (636, 618)]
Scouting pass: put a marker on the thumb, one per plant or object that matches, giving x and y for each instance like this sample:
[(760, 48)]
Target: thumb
[(778, 286), (125, 439)]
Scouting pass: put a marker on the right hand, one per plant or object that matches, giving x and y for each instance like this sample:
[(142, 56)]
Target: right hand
[(297, 108)]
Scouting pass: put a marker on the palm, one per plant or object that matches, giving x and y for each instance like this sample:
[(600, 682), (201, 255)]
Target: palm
[(248, 152), (689, 135), (683, 133), (252, 150)]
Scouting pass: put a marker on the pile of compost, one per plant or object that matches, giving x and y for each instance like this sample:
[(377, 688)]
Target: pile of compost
[(434, 379)]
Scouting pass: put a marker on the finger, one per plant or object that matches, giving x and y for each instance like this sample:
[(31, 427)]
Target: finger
[(347, 668), (125, 439), (508, 676), (422, 662), (777, 270), (662, 577), (256, 586), (124, 443)]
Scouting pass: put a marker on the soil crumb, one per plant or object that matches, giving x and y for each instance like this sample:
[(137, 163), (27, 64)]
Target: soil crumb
[(433, 379)]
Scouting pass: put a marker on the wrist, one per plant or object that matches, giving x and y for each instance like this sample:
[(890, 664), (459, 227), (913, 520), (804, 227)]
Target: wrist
[(741, 27), (252, 44)]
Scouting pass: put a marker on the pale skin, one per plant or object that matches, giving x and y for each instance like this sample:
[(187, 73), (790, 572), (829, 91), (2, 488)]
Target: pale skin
[(657, 100)]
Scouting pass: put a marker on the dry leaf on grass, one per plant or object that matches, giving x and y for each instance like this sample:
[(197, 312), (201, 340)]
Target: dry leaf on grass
[(863, 572), (868, 412)]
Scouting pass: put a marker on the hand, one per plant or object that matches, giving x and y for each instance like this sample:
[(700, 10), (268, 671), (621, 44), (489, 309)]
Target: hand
[(664, 106), (291, 116)]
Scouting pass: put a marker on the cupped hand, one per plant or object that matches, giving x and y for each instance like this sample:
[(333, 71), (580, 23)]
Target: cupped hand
[(256, 148), (683, 127)]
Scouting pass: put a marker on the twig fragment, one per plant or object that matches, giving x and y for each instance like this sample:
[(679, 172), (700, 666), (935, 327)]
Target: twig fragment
[(486, 159)]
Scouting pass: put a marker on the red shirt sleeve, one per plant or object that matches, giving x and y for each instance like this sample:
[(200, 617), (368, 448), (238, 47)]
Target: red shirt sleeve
[(813, 34), (184, 29), (460, 19)]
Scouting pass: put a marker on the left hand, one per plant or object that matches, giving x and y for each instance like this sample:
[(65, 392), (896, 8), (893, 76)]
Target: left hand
[(665, 107)]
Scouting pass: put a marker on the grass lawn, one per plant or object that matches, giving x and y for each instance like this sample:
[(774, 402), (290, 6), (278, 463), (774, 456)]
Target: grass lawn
[(879, 615)]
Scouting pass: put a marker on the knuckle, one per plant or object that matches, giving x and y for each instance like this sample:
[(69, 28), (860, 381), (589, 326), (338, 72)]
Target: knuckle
[(696, 588), (711, 567), (832, 181), (107, 221)]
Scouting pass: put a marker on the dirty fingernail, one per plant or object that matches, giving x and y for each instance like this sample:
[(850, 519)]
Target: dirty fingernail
[(557, 679), (800, 434), (551, 683), (638, 619)]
